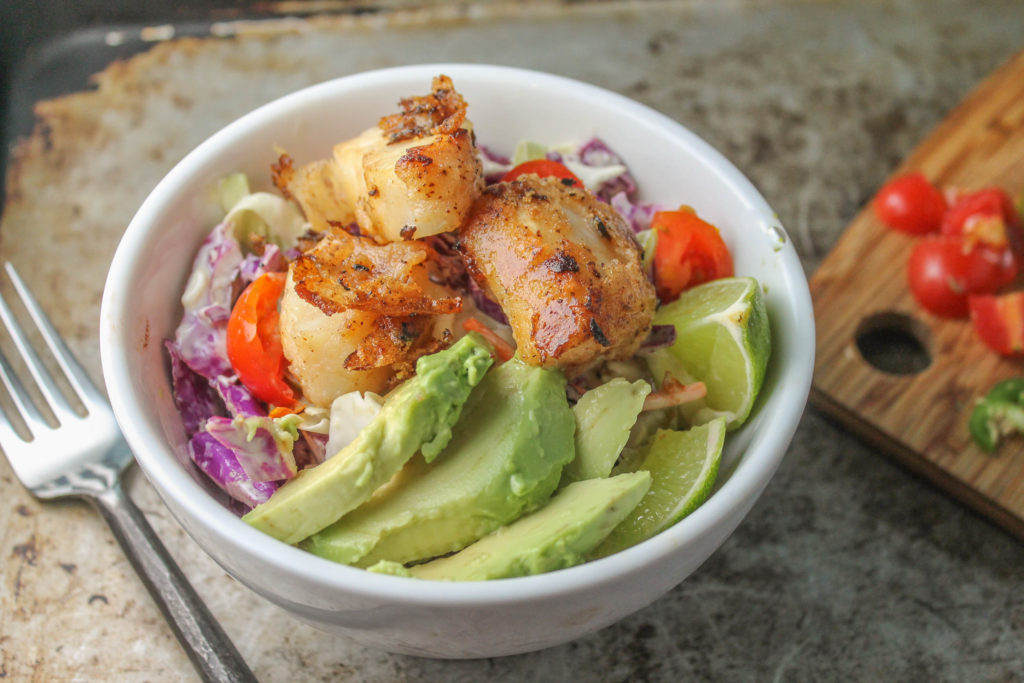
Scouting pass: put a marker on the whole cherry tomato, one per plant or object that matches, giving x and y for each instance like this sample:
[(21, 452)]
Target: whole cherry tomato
[(944, 270), (545, 168), (689, 251), (910, 203), (999, 321), (254, 341)]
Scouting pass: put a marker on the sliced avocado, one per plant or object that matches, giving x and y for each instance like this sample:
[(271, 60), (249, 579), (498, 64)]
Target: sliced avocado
[(557, 536), (505, 458), (417, 416), (604, 417)]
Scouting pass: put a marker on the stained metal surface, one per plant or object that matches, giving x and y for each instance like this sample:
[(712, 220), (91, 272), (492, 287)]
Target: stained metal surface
[(847, 567)]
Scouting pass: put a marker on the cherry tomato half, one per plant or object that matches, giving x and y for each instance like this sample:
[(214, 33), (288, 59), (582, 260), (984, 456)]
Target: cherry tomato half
[(944, 270), (689, 251), (545, 168), (254, 341), (910, 203), (999, 321), (987, 216)]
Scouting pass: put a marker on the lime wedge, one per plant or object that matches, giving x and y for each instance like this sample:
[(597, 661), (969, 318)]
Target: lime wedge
[(683, 467), (723, 340)]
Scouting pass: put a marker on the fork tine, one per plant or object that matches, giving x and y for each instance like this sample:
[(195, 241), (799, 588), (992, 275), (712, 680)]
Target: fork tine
[(34, 420), (8, 434), (62, 409), (73, 372)]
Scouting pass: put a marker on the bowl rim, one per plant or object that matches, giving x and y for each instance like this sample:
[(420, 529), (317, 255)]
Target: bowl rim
[(159, 463)]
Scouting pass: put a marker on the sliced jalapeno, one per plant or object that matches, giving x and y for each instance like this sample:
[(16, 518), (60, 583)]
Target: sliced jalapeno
[(1008, 391), (1001, 412)]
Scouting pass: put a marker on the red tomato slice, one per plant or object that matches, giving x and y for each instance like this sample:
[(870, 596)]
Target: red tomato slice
[(545, 168), (999, 322), (944, 270), (689, 251), (254, 341), (910, 203), (987, 216)]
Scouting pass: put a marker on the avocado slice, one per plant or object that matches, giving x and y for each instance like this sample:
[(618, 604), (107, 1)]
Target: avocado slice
[(604, 417), (559, 535), (505, 459), (417, 416)]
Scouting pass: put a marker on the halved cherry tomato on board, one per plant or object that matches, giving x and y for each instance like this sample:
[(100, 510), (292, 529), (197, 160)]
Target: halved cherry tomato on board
[(944, 270), (689, 251), (545, 168), (987, 216), (910, 203), (254, 341), (999, 321)]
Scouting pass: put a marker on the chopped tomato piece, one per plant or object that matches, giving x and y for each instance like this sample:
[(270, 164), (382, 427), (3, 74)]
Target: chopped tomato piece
[(254, 341), (999, 322), (944, 270), (988, 217), (689, 251), (545, 168), (910, 203)]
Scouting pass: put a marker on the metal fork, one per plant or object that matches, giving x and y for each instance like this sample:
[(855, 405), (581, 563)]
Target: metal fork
[(84, 457)]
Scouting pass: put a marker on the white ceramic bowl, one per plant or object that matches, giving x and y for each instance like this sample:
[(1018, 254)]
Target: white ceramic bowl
[(671, 165)]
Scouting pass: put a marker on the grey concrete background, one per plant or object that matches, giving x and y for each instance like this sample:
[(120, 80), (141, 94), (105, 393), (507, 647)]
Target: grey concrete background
[(848, 567)]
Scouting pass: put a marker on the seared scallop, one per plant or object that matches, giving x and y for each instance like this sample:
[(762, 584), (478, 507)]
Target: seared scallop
[(564, 267), (317, 345), (317, 189), (415, 174), (355, 315)]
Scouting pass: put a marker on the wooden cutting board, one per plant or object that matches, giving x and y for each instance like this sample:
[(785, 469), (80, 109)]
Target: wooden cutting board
[(863, 311)]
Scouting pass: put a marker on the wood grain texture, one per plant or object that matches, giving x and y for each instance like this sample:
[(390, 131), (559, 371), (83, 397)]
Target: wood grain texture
[(921, 419)]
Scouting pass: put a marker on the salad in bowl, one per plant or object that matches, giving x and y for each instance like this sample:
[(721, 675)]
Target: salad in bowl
[(473, 435), (423, 357)]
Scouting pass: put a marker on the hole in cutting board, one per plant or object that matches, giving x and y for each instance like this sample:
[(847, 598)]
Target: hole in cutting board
[(895, 343)]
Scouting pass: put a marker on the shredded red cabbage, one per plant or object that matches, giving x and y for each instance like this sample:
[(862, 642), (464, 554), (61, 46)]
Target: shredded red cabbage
[(270, 261), (194, 397), (310, 450), (202, 334), (221, 465), (451, 269), (486, 305), (596, 153), (237, 398), (203, 382), (499, 161), (254, 446), (637, 215), (491, 155), (660, 337)]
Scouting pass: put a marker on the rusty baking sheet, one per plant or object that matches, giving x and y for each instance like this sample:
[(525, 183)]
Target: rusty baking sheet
[(46, 54), (814, 134)]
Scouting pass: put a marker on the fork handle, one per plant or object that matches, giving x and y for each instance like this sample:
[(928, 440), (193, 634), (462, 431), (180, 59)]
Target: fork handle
[(205, 642)]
